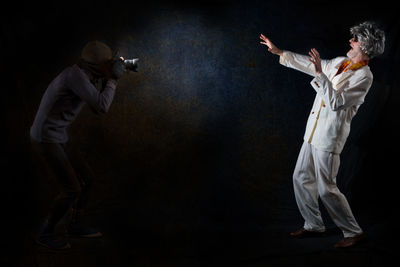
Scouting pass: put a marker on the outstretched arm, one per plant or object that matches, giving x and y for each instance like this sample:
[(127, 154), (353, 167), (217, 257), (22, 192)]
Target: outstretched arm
[(312, 65)]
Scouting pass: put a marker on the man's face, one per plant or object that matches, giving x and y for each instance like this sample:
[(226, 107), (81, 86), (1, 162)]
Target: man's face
[(355, 48)]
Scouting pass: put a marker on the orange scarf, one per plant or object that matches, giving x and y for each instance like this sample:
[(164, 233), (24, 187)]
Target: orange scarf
[(344, 67)]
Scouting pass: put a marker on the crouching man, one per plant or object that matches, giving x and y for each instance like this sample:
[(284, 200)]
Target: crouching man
[(92, 81)]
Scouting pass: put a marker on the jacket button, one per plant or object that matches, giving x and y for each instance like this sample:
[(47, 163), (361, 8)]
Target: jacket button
[(312, 112)]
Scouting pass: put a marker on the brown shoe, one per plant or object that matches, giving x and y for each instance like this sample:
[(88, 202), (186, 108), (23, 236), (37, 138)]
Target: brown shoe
[(349, 241), (303, 233)]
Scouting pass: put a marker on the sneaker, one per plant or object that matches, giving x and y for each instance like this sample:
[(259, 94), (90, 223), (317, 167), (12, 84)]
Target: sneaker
[(79, 230), (52, 241)]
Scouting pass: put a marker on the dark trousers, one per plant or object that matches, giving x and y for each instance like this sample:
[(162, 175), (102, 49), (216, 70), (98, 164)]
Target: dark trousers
[(72, 173)]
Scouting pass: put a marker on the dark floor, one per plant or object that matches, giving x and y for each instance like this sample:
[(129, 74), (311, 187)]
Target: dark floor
[(156, 225), (183, 244)]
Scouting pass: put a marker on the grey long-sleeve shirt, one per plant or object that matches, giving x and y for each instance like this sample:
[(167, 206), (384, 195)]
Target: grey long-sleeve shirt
[(62, 102)]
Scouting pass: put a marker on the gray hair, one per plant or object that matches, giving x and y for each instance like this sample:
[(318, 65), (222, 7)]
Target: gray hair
[(372, 39)]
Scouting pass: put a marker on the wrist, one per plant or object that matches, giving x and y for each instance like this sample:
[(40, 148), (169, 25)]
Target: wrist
[(113, 81)]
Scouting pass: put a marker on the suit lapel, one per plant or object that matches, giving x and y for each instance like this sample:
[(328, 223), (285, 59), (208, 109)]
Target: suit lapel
[(337, 79), (341, 77), (334, 69)]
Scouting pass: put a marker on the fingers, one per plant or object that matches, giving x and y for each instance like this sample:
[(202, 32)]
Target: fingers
[(265, 41), (314, 55), (271, 47), (311, 53), (263, 37), (315, 60)]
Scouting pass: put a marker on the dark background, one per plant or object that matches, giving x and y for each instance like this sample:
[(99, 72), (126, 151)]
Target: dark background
[(194, 160)]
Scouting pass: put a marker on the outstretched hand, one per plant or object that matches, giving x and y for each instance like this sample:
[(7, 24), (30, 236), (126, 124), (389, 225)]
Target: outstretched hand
[(271, 47), (316, 60)]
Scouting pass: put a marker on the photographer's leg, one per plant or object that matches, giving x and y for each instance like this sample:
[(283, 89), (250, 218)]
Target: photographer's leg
[(70, 189), (85, 175)]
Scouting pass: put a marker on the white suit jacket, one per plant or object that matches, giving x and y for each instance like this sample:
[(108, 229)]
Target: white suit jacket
[(328, 124)]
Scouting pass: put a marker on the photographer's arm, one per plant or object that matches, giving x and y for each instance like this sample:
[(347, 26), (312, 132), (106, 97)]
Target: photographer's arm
[(79, 83)]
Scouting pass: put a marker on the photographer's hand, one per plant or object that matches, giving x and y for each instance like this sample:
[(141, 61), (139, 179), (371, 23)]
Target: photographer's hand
[(118, 68)]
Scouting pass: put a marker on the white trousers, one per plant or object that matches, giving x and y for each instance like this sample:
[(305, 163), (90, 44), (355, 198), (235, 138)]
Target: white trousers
[(315, 175)]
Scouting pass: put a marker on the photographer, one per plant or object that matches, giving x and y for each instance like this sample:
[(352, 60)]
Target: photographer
[(91, 81)]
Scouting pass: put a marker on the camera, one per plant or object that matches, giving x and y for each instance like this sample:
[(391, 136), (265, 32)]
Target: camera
[(131, 64)]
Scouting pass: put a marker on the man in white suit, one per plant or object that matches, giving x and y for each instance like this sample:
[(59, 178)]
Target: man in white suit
[(341, 85)]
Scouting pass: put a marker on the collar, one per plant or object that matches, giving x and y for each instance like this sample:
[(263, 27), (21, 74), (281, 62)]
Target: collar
[(344, 67)]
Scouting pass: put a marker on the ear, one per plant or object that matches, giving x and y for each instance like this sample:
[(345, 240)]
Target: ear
[(364, 55)]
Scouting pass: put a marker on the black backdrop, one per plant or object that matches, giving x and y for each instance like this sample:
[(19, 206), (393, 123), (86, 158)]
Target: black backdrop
[(198, 148)]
